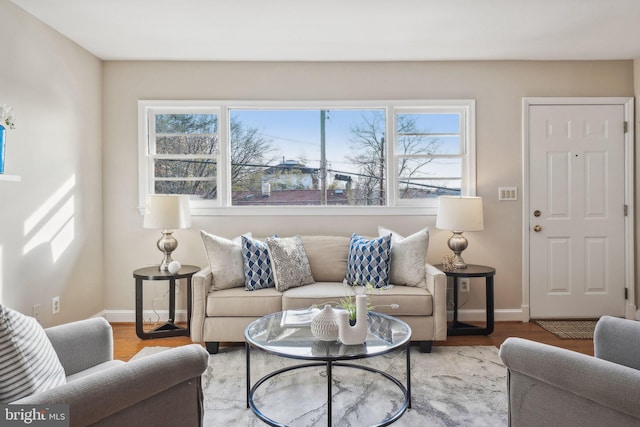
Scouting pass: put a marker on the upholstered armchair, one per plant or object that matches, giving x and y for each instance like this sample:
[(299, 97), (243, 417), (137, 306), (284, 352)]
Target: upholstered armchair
[(163, 389), (550, 386)]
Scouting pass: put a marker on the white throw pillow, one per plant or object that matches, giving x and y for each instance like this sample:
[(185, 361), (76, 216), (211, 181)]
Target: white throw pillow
[(408, 257), (289, 262), (28, 362), (225, 260)]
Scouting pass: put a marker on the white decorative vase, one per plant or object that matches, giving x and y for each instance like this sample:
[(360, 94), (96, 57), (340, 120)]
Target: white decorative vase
[(324, 326), (356, 334)]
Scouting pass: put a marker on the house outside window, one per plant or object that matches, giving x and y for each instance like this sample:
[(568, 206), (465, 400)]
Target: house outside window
[(307, 158)]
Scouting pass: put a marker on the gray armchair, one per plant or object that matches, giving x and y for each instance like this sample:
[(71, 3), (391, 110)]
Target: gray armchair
[(163, 389), (550, 386)]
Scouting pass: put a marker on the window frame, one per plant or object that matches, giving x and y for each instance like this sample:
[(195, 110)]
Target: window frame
[(222, 204), (467, 154)]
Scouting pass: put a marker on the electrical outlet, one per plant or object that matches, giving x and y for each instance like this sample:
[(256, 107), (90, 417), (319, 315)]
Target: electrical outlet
[(463, 284), (36, 311), (55, 305)]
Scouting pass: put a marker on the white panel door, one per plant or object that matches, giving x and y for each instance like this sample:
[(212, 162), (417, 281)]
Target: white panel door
[(576, 199)]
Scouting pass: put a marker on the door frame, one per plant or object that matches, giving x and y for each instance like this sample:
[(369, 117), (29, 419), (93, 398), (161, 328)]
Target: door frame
[(629, 243)]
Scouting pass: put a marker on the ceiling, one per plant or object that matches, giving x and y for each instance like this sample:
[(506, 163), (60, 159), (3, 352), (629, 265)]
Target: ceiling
[(346, 30)]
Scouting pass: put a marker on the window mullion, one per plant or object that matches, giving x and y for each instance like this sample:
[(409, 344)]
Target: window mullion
[(392, 160), (224, 158)]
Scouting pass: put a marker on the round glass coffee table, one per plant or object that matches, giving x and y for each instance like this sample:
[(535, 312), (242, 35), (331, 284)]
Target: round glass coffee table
[(284, 335)]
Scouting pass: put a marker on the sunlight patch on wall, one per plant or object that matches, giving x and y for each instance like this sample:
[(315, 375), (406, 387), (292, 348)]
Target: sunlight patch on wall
[(46, 208), (63, 239), (53, 222)]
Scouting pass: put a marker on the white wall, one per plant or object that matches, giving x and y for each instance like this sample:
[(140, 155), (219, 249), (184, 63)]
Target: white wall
[(498, 88), (51, 221)]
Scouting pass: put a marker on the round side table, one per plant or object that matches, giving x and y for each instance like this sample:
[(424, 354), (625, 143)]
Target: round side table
[(472, 270), (169, 329)]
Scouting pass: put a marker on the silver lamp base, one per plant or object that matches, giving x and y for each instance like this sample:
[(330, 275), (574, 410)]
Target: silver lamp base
[(167, 244), (457, 243)]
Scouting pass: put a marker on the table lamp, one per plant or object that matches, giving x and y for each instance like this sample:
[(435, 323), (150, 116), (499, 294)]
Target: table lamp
[(459, 214), (167, 212)]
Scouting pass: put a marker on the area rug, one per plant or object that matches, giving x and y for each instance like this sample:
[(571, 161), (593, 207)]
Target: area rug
[(452, 386), (570, 329)]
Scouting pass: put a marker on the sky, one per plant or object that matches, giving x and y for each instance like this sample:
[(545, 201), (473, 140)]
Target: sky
[(295, 134)]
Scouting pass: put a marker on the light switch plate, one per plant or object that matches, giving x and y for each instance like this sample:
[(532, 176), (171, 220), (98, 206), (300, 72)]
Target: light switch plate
[(508, 193)]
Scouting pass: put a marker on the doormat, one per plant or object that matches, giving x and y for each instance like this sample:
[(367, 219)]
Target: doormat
[(570, 329)]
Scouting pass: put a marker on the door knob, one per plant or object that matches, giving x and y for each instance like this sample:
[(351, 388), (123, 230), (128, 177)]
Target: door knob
[(537, 229)]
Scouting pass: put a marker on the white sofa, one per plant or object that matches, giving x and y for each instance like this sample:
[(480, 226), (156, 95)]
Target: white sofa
[(221, 315)]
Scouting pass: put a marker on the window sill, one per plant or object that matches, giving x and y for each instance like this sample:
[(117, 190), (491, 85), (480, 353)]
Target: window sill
[(314, 211)]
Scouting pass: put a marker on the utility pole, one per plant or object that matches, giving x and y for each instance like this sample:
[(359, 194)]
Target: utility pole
[(323, 159)]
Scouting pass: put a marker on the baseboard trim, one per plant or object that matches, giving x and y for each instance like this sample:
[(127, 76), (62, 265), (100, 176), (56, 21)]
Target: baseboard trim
[(500, 315), (470, 315), (129, 316)]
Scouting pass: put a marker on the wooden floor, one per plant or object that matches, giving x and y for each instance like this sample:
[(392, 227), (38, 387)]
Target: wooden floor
[(127, 344)]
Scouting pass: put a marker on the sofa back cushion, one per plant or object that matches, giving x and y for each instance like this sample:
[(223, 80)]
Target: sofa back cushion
[(327, 257)]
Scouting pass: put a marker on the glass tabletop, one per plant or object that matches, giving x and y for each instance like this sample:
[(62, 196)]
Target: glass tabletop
[(273, 334)]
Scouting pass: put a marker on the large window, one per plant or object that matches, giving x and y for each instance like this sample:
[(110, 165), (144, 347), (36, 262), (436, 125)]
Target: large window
[(291, 157)]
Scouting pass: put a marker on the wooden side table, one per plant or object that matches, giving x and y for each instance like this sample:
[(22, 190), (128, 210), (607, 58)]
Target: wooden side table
[(472, 270), (169, 329)]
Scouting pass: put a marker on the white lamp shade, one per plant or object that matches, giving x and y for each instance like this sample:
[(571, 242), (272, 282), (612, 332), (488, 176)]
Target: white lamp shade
[(460, 213), (167, 212)]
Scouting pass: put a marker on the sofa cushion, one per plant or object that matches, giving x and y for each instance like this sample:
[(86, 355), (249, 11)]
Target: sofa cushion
[(412, 301), (225, 260), (28, 362), (256, 265), (238, 302), (327, 257), (289, 262), (368, 261), (408, 257)]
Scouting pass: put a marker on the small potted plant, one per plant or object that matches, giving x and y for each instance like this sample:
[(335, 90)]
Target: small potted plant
[(348, 303)]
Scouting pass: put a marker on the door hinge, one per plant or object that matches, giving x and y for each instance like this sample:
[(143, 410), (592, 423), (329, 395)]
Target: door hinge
[(626, 127), (626, 293), (626, 210)]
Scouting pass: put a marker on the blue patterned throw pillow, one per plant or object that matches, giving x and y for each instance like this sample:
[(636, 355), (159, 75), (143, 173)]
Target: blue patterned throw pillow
[(256, 264), (369, 261)]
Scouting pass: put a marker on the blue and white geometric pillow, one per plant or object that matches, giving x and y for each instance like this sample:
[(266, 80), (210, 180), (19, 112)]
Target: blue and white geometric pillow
[(369, 261), (256, 264)]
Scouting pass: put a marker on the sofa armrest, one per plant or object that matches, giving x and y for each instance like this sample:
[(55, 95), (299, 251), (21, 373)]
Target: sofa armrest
[(200, 285), (102, 395), (618, 341), (537, 369), (82, 344), (437, 286)]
